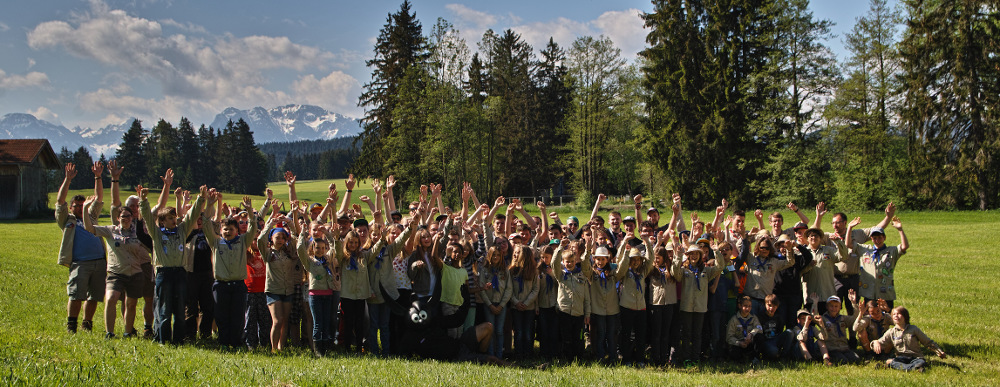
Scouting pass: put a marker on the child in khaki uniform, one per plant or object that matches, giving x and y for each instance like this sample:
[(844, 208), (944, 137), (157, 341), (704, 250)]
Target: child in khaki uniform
[(836, 326), (742, 331), (573, 299), (905, 340)]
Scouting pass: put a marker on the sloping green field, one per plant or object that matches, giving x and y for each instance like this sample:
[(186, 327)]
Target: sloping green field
[(948, 280)]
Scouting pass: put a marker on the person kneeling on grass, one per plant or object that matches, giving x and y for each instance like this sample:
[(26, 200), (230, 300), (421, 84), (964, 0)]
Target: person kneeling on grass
[(743, 332), (836, 329), (905, 340)]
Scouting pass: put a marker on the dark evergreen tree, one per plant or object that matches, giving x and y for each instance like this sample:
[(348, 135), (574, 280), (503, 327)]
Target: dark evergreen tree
[(131, 155)]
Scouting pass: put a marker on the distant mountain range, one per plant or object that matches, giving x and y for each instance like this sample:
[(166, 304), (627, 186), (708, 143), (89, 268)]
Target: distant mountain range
[(281, 124)]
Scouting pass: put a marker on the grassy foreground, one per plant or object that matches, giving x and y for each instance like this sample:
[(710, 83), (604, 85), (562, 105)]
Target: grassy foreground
[(947, 280)]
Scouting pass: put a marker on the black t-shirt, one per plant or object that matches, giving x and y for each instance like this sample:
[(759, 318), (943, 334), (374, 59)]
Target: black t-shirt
[(788, 282), (771, 325), (202, 252)]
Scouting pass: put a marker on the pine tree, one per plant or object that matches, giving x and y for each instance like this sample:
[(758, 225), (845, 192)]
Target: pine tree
[(400, 45), (131, 155)]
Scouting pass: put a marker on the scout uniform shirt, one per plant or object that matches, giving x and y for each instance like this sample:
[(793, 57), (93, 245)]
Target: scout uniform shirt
[(229, 258), (878, 268), (354, 283), (907, 341), (873, 329), (381, 272), (695, 283), (574, 295), (761, 272), (168, 245), (740, 328), (524, 289), (284, 270), (603, 293), (836, 330), (548, 288), (819, 277), (124, 249), (322, 270), (633, 282), (71, 228), (849, 264), (499, 279)]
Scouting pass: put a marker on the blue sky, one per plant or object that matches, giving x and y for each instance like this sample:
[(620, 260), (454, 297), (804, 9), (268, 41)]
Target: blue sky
[(98, 62)]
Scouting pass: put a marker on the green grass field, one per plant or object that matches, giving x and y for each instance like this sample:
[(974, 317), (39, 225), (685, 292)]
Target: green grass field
[(947, 280)]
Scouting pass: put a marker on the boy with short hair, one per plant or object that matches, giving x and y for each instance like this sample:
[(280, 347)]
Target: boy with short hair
[(168, 259), (775, 341), (836, 326), (743, 332)]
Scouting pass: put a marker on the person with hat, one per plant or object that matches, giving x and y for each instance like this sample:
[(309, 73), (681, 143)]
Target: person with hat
[(810, 336), (878, 261), (694, 276), (604, 305), (634, 265), (836, 326)]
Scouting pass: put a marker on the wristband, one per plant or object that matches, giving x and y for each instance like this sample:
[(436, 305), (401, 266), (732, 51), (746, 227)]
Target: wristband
[(114, 181), (348, 190)]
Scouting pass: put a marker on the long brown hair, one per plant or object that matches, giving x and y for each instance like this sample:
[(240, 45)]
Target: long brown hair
[(524, 262)]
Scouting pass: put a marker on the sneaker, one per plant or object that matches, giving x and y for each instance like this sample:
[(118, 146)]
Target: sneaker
[(128, 335), (109, 335), (87, 325), (147, 333)]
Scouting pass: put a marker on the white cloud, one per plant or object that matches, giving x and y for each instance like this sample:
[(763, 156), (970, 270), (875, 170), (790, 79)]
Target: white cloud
[(31, 63), (197, 75), (479, 19), (43, 113), (188, 27), (4, 27), (337, 91), (29, 80), (625, 28), (563, 30)]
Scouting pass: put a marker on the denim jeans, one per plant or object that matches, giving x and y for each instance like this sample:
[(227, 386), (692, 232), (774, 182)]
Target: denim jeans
[(496, 344), (777, 347), (604, 335), (378, 327), (230, 304), (524, 335), (171, 291), (906, 363), (321, 307)]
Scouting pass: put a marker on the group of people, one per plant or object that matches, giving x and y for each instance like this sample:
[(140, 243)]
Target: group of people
[(477, 283)]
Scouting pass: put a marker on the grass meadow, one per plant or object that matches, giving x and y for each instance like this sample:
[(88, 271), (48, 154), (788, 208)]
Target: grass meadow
[(947, 279)]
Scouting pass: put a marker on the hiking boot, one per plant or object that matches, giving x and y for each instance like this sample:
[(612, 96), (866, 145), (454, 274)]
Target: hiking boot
[(71, 327), (147, 333), (87, 325)]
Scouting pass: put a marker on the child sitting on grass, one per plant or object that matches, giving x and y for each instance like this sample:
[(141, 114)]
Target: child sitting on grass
[(905, 340), (836, 329), (811, 338), (743, 332)]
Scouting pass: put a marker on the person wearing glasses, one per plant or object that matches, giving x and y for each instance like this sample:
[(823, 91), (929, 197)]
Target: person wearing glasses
[(760, 270)]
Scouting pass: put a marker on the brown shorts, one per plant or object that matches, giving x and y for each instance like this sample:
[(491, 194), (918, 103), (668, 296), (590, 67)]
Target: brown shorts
[(148, 288), (131, 285), (86, 280)]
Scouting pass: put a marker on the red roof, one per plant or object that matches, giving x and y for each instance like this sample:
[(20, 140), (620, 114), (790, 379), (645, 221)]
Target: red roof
[(26, 151)]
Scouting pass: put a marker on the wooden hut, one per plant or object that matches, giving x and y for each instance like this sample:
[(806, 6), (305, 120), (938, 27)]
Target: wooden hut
[(24, 166)]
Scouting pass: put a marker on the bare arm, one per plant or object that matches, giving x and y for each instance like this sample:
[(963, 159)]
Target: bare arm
[(349, 183), (116, 173), (390, 183), (168, 179), (528, 219), (890, 212), (820, 211), (290, 181), (98, 182), (904, 244), (795, 209), (64, 188), (720, 213), (597, 206), (638, 205)]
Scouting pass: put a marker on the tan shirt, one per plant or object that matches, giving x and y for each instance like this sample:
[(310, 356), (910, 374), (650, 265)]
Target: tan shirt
[(819, 277), (168, 248), (123, 250), (761, 272), (284, 270), (68, 223), (524, 291), (574, 294), (740, 328), (877, 279), (695, 284), (633, 297), (836, 331), (229, 258), (906, 342)]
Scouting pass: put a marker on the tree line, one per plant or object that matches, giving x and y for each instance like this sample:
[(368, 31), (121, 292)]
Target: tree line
[(741, 99)]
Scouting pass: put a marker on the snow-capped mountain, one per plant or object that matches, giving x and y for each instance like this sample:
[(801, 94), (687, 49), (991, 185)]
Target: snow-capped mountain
[(284, 123), (291, 123)]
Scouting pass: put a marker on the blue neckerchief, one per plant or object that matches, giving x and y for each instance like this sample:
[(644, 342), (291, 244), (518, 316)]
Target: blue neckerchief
[(548, 279), (835, 323), (809, 332), (697, 275), (495, 281), (520, 283), (761, 264), (663, 272), (378, 260), (638, 283), (744, 324), (603, 277), (322, 262), (172, 231), (353, 263), (567, 272), (876, 256), (229, 242)]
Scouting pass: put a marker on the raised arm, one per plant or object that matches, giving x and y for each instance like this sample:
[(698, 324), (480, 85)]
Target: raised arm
[(760, 218), (64, 188), (904, 244), (116, 173), (206, 219), (638, 207), (168, 179), (528, 219), (98, 170), (798, 212), (890, 212), (88, 221), (820, 211), (436, 194), (850, 226), (542, 236), (390, 183), (290, 181), (349, 183), (597, 206), (720, 214), (678, 216)]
